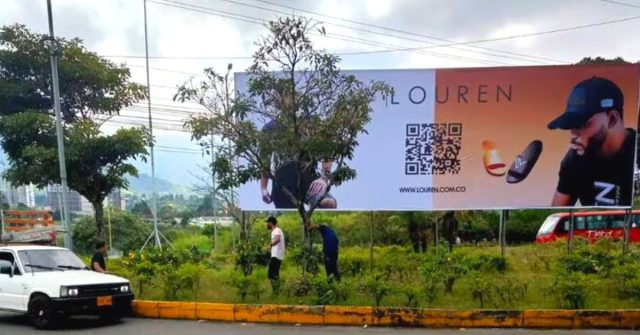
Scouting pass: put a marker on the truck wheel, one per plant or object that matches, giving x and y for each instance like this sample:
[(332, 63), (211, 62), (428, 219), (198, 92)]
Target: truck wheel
[(40, 314)]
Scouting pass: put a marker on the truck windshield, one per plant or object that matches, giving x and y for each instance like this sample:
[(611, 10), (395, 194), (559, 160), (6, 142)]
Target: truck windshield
[(50, 260)]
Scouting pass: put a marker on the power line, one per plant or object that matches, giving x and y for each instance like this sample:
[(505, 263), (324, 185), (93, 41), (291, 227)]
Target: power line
[(466, 43), (621, 3), (558, 30), (519, 56), (241, 17)]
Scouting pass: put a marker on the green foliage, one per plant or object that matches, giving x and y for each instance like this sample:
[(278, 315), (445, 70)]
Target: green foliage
[(569, 290), (96, 163), (602, 60), (248, 255), (128, 232), (142, 209), (89, 84), (328, 291), (308, 259), (241, 283), (353, 261), (376, 285)]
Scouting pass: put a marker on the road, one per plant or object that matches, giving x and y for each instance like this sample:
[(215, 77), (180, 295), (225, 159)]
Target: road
[(17, 325)]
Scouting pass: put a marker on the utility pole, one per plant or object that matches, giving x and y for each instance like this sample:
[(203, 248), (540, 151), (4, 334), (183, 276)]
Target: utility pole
[(213, 199), (53, 49), (156, 232)]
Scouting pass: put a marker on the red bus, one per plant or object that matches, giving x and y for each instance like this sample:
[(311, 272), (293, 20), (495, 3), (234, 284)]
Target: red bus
[(590, 225)]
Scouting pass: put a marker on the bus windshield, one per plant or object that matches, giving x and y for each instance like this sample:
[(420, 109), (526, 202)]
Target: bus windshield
[(548, 225)]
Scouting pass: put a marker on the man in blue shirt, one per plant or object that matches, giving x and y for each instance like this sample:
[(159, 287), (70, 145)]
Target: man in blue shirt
[(329, 249)]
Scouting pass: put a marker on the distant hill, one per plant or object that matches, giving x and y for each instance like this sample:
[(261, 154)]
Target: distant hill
[(144, 184)]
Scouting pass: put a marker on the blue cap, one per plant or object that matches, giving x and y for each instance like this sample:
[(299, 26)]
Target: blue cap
[(589, 97)]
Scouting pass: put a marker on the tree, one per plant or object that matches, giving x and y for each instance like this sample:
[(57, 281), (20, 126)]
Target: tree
[(601, 60), (317, 112), (89, 85), (128, 232), (96, 163), (141, 208)]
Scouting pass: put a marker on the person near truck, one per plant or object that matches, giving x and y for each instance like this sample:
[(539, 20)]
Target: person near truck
[(98, 263)]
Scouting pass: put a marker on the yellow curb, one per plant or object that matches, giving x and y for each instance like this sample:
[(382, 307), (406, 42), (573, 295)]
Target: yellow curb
[(256, 313), (177, 310), (398, 317), (348, 315), (394, 317), (630, 319), (597, 319), (146, 309), (496, 319), (215, 312), (549, 318), (304, 315)]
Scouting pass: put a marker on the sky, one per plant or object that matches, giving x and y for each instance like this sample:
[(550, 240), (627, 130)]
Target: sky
[(186, 36)]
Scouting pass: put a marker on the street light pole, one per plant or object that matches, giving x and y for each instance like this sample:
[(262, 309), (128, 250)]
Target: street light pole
[(68, 241)]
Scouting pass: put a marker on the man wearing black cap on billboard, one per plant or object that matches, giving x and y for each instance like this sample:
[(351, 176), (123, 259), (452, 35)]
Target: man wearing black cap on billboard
[(277, 252), (598, 169)]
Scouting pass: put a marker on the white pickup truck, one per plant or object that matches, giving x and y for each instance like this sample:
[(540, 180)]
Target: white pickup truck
[(50, 283)]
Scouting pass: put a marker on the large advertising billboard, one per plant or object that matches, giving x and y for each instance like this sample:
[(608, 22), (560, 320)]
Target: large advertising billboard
[(490, 138)]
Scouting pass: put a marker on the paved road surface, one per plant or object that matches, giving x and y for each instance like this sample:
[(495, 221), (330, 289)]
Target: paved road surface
[(17, 325)]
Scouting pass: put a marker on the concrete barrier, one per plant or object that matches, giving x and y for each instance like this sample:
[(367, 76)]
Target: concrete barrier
[(390, 317)]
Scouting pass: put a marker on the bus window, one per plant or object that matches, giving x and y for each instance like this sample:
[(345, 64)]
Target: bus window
[(579, 223), (617, 221), (597, 222)]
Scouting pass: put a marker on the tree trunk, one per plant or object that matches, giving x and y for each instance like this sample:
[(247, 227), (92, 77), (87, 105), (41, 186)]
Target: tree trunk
[(99, 217)]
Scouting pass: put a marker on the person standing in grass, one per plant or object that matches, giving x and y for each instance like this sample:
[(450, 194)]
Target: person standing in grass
[(329, 249), (277, 247)]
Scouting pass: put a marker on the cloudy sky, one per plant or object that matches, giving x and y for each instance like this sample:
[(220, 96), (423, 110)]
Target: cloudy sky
[(186, 36)]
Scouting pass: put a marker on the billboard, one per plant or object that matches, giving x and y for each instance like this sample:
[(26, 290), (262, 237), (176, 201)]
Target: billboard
[(490, 138)]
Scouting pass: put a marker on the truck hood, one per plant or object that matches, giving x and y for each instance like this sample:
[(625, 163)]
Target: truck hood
[(77, 277)]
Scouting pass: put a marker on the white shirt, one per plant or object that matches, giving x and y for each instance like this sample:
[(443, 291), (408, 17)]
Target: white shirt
[(277, 250)]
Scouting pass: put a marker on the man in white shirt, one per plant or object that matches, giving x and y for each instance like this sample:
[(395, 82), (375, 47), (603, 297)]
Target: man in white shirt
[(277, 252)]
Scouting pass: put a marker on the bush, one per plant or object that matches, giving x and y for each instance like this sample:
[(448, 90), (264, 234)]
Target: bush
[(376, 285), (570, 290), (128, 233), (241, 283), (328, 291), (353, 261)]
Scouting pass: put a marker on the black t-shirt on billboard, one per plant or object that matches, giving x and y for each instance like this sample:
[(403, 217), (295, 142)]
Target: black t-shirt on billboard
[(599, 182)]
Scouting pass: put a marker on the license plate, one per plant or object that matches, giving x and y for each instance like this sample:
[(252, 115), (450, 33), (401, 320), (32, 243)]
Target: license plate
[(104, 301)]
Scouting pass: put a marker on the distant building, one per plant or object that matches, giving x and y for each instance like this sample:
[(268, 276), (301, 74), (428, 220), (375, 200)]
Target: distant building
[(14, 196), (222, 221), (116, 200), (77, 203)]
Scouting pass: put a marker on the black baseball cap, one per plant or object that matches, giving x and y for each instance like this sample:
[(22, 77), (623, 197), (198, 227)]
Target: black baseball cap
[(272, 219), (589, 97)]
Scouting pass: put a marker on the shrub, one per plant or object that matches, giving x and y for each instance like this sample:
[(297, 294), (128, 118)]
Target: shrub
[(569, 289), (328, 291), (376, 285), (241, 283)]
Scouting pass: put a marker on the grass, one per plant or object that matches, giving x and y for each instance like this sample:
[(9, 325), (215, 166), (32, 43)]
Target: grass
[(531, 266)]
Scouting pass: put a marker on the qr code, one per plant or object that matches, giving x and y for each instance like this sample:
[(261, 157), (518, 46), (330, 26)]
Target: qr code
[(433, 148)]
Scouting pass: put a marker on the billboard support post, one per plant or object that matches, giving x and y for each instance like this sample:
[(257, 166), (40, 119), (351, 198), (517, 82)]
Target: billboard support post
[(437, 237), (503, 230), (627, 226), (371, 240), (571, 226)]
